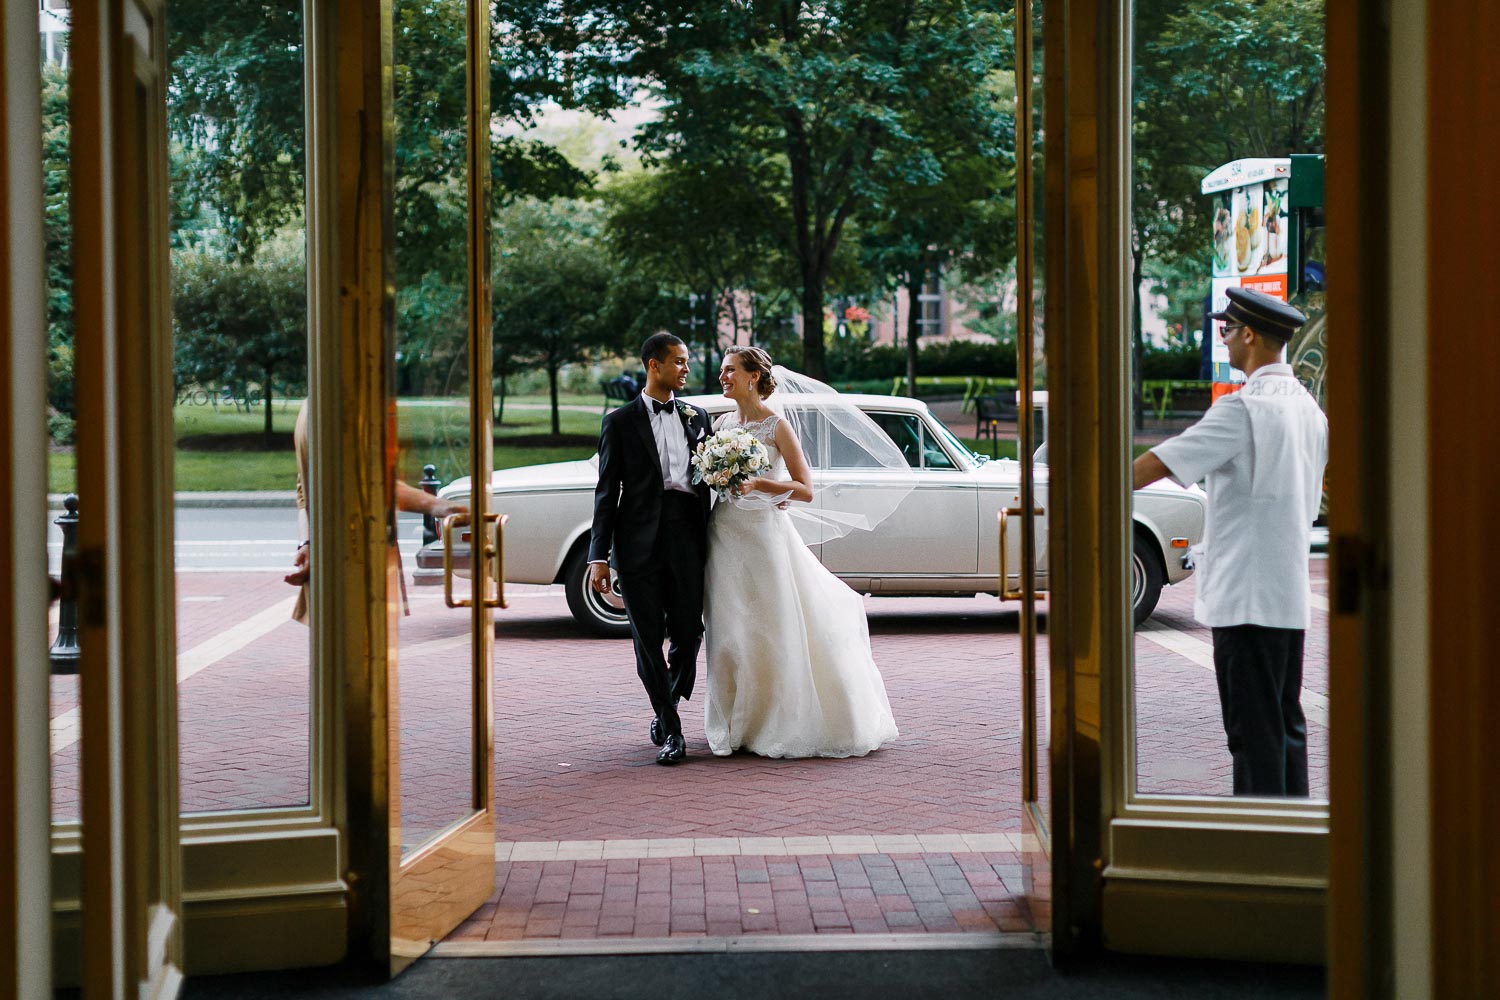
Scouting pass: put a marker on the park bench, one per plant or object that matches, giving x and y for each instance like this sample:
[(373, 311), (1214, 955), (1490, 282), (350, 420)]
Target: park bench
[(1176, 397), (989, 411), (618, 390)]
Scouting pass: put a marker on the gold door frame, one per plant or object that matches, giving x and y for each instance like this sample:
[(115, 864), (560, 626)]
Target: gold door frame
[(1130, 872), (398, 906), (1026, 376), (444, 881), (1086, 145), (124, 575)]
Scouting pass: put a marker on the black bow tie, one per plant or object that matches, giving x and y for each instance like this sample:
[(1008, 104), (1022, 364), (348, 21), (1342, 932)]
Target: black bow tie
[(659, 407)]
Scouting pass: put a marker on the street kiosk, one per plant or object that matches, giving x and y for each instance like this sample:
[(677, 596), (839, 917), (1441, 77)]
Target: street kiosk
[(1267, 221)]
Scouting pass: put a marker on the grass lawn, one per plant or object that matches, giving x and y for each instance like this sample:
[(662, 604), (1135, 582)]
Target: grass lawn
[(1002, 448), (222, 449)]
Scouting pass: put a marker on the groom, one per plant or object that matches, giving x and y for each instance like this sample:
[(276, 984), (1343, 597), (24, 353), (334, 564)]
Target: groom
[(649, 513)]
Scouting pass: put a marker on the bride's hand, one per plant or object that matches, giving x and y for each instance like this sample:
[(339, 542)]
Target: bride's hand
[(750, 486)]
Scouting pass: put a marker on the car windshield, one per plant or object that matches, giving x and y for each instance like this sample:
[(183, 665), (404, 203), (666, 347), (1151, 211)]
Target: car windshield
[(954, 444)]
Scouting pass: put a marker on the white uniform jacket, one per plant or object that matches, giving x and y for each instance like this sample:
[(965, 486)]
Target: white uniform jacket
[(1261, 453)]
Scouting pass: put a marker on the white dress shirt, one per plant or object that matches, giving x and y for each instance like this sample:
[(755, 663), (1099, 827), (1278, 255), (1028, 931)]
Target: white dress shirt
[(671, 446), (671, 450), (1261, 452)]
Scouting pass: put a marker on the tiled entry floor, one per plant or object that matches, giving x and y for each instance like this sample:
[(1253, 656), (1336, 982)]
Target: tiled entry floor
[(664, 888), (922, 837)]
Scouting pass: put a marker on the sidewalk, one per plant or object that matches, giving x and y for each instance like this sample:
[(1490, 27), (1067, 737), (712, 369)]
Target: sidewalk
[(594, 840)]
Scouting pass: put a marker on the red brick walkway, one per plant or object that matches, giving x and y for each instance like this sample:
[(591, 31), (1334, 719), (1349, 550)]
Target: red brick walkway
[(594, 839), (1179, 734), (732, 896)]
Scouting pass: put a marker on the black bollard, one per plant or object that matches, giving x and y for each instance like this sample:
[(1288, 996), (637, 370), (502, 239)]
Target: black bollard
[(64, 652), (430, 482)]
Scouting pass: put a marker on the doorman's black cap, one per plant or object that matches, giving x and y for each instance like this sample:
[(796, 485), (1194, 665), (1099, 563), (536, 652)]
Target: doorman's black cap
[(1261, 312)]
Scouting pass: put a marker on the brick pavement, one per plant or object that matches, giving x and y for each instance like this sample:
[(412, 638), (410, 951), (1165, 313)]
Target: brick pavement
[(748, 895), (572, 761), (1180, 746), (572, 764)]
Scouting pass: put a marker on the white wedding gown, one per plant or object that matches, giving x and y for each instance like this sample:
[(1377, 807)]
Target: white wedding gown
[(790, 672)]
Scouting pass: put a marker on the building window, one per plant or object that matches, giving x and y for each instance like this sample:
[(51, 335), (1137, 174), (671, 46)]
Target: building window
[(930, 306), (54, 31)]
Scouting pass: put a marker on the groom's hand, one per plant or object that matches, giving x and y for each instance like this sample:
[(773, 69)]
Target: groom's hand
[(599, 577)]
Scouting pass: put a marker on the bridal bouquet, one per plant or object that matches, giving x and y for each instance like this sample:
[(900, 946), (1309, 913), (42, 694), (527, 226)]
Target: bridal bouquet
[(727, 459)]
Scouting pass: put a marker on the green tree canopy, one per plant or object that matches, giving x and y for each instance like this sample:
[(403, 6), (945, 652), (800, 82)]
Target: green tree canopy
[(819, 104), (236, 109), (554, 282), (694, 234), (1216, 80), (57, 220), (241, 322)]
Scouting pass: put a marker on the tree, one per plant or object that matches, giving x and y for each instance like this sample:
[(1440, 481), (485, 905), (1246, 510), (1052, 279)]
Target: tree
[(236, 111), (235, 115), (962, 223), (58, 227), (241, 322), (818, 103), (1216, 80), (236, 108), (552, 286), (693, 234)]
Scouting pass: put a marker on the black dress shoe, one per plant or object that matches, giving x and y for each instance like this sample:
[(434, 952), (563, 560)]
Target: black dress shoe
[(657, 739), (672, 751)]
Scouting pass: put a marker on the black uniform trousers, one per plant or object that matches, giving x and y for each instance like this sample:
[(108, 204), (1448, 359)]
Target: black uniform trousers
[(664, 602), (1260, 692)]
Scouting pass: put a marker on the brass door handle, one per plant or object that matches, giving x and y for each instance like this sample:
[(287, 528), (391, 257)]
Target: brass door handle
[(449, 528), (494, 550), (1006, 594)]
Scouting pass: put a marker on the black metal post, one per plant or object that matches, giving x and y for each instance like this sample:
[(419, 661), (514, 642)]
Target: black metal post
[(430, 482), (64, 651)]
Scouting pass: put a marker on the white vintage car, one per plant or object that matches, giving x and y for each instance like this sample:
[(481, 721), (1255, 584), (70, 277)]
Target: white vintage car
[(943, 539)]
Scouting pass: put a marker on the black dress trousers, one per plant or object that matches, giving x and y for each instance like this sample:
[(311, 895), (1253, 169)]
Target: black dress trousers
[(664, 602), (1260, 693)]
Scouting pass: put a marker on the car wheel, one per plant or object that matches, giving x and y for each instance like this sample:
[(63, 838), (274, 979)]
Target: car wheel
[(1146, 577), (589, 607)]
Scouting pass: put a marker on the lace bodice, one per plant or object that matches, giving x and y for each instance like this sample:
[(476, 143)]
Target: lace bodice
[(763, 430)]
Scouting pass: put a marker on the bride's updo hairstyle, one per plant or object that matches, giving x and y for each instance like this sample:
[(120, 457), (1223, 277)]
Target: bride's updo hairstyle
[(757, 362)]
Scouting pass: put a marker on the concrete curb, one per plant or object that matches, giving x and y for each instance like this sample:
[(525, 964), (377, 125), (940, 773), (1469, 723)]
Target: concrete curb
[(239, 499)]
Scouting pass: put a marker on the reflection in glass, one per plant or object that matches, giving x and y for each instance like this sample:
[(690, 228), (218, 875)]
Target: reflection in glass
[(435, 657), (1217, 205), (239, 296), (1028, 508), (61, 467)]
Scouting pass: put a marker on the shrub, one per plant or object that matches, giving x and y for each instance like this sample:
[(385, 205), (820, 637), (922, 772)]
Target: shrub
[(966, 357), (1177, 362)]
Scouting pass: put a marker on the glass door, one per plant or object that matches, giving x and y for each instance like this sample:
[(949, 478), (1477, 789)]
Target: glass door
[(120, 576), (440, 743), (1023, 522)]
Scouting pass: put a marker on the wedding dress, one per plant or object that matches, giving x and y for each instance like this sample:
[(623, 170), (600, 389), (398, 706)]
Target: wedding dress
[(790, 673)]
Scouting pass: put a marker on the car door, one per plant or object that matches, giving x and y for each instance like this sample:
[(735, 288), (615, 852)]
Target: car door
[(1001, 491), (931, 538)]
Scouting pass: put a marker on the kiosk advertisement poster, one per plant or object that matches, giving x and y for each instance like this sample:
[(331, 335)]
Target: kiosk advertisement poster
[(1252, 232)]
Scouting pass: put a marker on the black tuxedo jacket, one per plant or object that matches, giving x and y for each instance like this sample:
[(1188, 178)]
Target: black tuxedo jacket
[(627, 501)]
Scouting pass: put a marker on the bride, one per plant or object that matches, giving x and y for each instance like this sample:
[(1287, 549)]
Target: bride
[(790, 673)]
